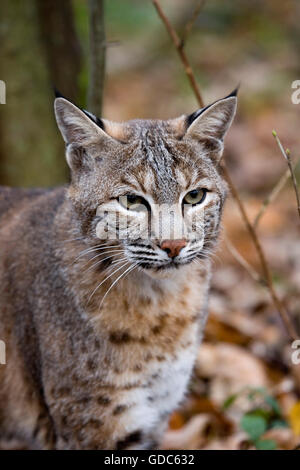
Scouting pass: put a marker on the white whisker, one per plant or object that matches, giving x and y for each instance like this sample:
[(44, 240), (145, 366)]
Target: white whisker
[(93, 249), (100, 261), (128, 270), (105, 253), (121, 259), (105, 279)]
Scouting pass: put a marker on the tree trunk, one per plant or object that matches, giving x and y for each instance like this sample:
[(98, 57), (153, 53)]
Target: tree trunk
[(61, 45), (31, 148), (97, 56)]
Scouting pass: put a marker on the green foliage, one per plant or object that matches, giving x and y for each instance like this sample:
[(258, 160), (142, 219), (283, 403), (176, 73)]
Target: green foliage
[(265, 444), (229, 401), (253, 425), (264, 415)]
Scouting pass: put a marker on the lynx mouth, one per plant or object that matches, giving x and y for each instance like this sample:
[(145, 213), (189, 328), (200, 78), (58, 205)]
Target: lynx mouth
[(172, 265)]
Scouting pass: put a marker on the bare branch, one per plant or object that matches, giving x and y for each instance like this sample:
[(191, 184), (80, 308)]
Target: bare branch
[(97, 56), (190, 24), (273, 194), (241, 260), (287, 156), (266, 270), (178, 45)]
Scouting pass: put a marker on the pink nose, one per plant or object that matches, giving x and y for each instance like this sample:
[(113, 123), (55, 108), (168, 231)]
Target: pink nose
[(172, 247)]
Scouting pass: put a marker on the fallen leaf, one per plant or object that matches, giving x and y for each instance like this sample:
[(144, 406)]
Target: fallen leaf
[(294, 418), (191, 436)]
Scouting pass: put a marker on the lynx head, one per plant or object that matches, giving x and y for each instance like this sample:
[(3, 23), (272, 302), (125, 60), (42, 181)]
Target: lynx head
[(153, 188)]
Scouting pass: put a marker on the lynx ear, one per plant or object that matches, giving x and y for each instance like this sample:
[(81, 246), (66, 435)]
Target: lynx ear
[(210, 125), (77, 126), (81, 131)]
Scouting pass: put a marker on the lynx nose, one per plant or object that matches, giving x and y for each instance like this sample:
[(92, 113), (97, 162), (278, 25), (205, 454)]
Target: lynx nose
[(172, 247)]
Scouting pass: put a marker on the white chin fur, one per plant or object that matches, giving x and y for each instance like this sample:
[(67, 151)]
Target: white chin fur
[(166, 273)]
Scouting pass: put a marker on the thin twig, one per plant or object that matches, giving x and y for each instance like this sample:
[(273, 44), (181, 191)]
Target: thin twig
[(191, 22), (266, 270), (244, 263), (287, 156), (273, 194), (178, 45)]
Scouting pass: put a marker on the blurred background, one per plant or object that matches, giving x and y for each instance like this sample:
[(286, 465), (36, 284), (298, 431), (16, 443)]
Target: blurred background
[(245, 392)]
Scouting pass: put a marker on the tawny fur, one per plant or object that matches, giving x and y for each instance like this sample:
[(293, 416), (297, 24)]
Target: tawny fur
[(83, 373)]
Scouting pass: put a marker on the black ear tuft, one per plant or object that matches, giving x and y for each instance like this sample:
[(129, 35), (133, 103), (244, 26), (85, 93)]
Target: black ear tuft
[(233, 93), (58, 94), (93, 118), (197, 113), (194, 115)]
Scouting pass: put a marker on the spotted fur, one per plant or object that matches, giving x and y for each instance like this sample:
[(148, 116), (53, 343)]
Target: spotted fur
[(101, 335)]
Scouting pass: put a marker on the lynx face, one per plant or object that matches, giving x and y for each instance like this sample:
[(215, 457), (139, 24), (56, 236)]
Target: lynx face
[(151, 188)]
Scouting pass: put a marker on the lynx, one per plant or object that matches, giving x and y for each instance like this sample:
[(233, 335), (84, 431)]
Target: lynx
[(102, 307)]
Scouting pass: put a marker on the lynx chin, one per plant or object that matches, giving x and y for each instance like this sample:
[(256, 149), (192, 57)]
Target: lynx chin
[(103, 293)]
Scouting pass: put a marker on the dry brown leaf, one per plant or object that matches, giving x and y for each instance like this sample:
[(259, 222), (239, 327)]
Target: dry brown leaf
[(283, 437), (204, 405), (232, 364), (231, 369), (239, 328), (176, 421), (190, 436), (235, 442), (296, 374)]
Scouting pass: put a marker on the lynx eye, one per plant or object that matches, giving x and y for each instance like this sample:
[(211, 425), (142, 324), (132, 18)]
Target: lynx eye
[(196, 196), (133, 202)]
